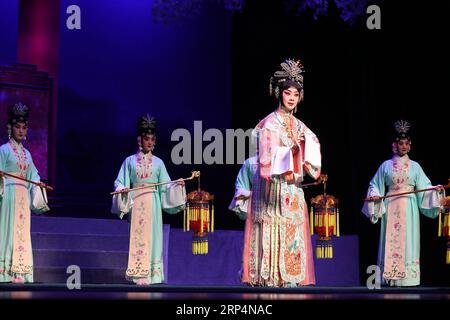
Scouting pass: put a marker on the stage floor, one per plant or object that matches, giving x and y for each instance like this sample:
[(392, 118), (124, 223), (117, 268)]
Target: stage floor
[(192, 292)]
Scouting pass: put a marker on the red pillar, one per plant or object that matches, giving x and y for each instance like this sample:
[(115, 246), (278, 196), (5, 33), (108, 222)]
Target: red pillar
[(38, 44)]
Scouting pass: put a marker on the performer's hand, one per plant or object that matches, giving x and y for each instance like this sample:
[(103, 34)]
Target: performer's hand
[(289, 177), (241, 197), (439, 188), (180, 182), (302, 136), (374, 198), (41, 184)]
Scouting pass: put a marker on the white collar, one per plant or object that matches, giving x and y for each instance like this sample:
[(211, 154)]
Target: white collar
[(145, 155), (399, 159), (14, 142)]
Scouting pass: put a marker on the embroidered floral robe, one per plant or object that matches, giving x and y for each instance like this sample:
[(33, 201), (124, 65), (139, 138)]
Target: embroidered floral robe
[(145, 207), (16, 199), (399, 246), (279, 241)]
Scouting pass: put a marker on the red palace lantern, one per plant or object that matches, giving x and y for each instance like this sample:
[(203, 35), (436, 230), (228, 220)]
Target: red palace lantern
[(199, 217), (324, 221)]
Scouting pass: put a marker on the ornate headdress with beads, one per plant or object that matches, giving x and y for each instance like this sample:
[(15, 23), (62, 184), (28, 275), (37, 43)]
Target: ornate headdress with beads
[(291, 71), (402, 128), (146, 125), (17, 113)]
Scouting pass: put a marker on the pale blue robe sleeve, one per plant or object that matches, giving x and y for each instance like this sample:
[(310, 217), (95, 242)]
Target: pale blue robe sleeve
[(2, 168), (428, 201), (172, 195), (123, 202), (123, 178), (243, 187), (38, 195), (375, 209)]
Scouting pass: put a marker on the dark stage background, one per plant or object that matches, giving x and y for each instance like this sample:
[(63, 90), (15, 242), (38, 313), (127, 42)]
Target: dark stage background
[(214, 65)]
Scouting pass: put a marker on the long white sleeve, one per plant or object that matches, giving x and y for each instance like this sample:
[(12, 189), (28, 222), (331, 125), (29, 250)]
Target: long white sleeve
[(121, 203), (39, 200)]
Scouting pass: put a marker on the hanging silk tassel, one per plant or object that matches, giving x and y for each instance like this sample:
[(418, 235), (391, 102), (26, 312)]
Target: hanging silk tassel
[(311, 221), (201, 219), (272, 249), (446, 226), (448, 252), (327, 216), (331, 219), (187, 217), (316, 220), (212, 218), (338, 231), (207, 219), (276, 247), (320, 219)]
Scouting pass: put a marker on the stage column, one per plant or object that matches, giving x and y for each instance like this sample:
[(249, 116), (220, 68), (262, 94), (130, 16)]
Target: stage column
[(38, 44)]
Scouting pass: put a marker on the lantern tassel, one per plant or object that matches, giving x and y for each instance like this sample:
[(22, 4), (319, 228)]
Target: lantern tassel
[(338, 232), (188, 218), (448, 254), (201, 219), (212, 218)]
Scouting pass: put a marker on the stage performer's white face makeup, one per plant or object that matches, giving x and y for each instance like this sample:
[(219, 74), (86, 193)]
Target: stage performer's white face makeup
[(19, 131), (148, 142), (290, 98), (403, 147)]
